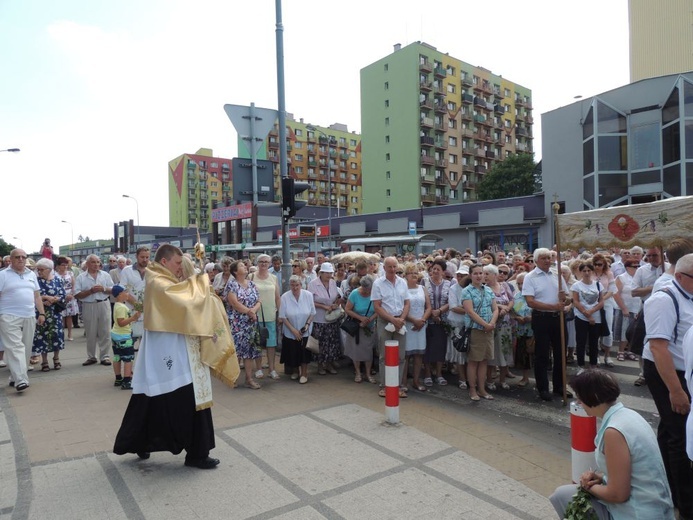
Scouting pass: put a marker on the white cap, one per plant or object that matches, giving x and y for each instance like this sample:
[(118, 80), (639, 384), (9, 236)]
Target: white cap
[(326, 267)]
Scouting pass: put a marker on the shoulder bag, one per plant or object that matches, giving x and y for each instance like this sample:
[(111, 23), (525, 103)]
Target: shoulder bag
[(263, 330), (603, 326)]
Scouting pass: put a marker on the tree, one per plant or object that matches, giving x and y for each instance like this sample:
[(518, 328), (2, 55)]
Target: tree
[(516, 176), (5, 248)]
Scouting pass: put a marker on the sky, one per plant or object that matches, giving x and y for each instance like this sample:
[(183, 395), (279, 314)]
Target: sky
[(100, 95)]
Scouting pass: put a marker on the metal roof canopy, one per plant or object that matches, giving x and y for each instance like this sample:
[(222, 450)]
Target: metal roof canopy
[(397, 239)]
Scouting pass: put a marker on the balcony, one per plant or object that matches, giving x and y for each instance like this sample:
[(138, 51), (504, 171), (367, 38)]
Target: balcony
[(203, 185), (425, 86), (440, 72), (521, 147), (441, 144), (480, 168), (467, 98), (439, 91), (465, 116), (498, 109), (428, 198), (529, 120), (441, 180), (519, 102), (427, 160), (427, 122), (441, 108), (442, 200), (479, 119), (426, 140), (479, 152), (425, 66), (441, 127), (468, 168), (273, 144), (468, 185), (486, 87), (490, 154), (519, 116), (466, 81), (426, 103), (427, 179), (480, 102), (274, 158), (441, 163), (226, 188), (497, 93), (344, 155), (192, 185), (467, 132), (520, 131)]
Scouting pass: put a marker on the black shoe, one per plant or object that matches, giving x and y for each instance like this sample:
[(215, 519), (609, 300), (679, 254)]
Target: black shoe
[(568, 394), (126, 385), (144, 455), (118, 382), (105, 362), (546, 396), (206, 463), (12, 383), (21, 386)]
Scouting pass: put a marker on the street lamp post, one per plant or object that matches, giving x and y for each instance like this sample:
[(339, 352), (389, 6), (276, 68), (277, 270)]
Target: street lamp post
[(329, 186), (72, 235), (137, 207), (12, 150)]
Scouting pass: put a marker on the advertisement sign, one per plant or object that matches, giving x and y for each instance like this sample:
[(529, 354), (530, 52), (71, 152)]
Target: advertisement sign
[(323, 231), (236, 212)]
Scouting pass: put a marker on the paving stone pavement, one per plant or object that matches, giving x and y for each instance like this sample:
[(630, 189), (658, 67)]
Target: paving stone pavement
[(288, 451)]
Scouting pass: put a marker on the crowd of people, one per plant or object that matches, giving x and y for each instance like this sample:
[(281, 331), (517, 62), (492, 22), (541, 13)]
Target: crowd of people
[(483, 321)]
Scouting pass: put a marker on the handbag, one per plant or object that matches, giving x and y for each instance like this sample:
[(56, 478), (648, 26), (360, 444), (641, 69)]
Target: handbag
[(313, 345), (334, 315), (461, 338), (60, 306), (350, 326), (263, 330), (635, 333), (603, 326)]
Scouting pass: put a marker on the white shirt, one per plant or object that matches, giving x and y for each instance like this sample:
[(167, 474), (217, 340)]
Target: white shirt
[(688, 366), (646, 275), (133, 281), (17, 293), (543, 286), (588, 295), (633, 303), (392, 296), (660, 322), (162, 364), (296, 312), (86, 281), (663, 281)]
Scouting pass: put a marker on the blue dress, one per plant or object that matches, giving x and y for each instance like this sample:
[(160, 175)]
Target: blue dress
[(49, 337)]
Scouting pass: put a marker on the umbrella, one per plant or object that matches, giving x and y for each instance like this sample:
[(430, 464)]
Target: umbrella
[(353, 256)]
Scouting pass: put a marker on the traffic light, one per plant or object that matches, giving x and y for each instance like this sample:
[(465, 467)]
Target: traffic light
[(291, 188)]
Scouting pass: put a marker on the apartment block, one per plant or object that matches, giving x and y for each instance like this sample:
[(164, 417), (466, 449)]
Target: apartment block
[(196, 183), (433, 125)]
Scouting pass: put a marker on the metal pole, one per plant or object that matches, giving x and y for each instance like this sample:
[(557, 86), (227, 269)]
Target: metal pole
[(281, 108), (315, 232), (253, 153)]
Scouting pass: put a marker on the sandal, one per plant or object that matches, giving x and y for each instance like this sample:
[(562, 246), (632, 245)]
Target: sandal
[(419, 387), (632, 357), (358, 378), (402, 393), (428, 381), (523, 382), (441, 381), (34, 360), (462, 385), (371, 380), (252, 385), (56, 364), (621, 356), (45, 367)]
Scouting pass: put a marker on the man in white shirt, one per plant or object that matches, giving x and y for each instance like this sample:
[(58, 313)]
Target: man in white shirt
[(132, 278), (541, 290), (645, 276), (663, 367), (19, 300), (310, 269), (93, 288), (390, 299)]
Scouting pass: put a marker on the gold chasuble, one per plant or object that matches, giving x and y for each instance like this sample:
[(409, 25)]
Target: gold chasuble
[(191, 308)]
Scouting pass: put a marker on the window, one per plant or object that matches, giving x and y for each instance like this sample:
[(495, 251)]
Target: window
[(387, 139), (452, 141), (387, 85), (451, 88), (215, 193), (299, 132), (452, 106), (342, 141), (452, 123), (354, 188), (452, 159), (298, 144), (453, 176), (354, 200), (214, 184), (352, 142), (388, 209), (387, 103), (387, 156), (475, 80), (388, 192), (298, 170), (387, 174), (353, 166), (214, 165), (450, 70), (506, 92), (385, 67), (354, 177), (453, 195), (387, 122), (298, 157)]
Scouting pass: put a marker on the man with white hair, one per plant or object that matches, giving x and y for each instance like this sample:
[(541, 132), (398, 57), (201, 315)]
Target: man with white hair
[(547, 301), (668, 317), (19, 300), (310, 270), (93, 288)]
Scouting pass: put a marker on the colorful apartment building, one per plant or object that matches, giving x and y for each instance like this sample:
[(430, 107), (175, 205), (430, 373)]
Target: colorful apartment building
[(324, 157), (197, 183), (433, 125)]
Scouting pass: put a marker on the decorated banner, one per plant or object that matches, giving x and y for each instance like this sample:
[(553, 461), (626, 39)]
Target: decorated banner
[(646, 225)]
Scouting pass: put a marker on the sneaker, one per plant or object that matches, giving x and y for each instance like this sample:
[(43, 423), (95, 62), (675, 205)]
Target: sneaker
[(294, 376), (491, 387), (259, 374), (126, 386), (303, 380), (2, 363), (274, 375), (118, 382)]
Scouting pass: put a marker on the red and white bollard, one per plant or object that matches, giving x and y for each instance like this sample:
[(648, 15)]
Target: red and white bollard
[(392, 381), (583, 430)]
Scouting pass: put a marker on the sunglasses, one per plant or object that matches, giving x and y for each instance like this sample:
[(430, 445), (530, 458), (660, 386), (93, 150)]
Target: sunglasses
[(399, 273), (506, 273), (586, 269), (599, 265)]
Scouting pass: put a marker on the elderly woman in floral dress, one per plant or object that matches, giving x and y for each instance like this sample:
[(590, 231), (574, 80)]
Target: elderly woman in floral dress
[(49, 336), (243, 301), (68, 279), (326, 297)]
